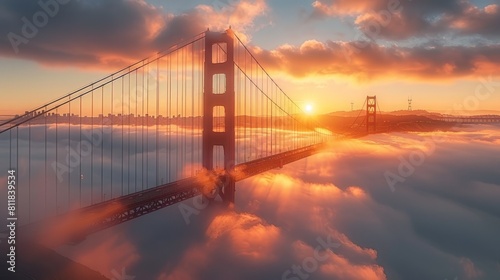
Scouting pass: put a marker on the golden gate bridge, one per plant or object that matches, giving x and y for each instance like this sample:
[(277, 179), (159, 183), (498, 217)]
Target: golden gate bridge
[(191, 120)]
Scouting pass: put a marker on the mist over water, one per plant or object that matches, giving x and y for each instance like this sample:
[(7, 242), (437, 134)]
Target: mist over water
[(62, 168), (442, 222)]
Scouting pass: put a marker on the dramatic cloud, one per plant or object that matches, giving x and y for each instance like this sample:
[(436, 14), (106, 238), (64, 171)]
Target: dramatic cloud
[(113, 33), (395, 21), (240, 15), (473, 20), (117, 33), (402, 19), (83, 33), (441, 222), (345, 7), (365, 60)]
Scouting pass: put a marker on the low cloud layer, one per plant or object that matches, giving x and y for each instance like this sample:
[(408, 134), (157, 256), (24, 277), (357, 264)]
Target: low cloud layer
[(333, 216)]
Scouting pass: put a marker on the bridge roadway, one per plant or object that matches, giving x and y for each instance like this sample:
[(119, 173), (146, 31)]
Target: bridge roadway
[(471, 119), (74, 226)]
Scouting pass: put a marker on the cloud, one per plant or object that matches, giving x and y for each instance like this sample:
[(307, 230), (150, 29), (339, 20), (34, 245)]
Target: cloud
[(79, 36), (248, 236), (339, 267), (80, 32), (344, 7), (420, 24), (400, 19), (240, 15), (259, 249), (473, 20), (368, 60), (441, 222), (244, 237), (111, 254), (113, 33)]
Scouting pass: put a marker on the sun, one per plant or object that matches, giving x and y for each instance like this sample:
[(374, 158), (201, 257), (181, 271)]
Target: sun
[(309, 108)]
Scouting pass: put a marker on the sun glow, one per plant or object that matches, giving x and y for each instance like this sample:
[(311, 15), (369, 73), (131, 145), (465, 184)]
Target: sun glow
[(309, 108)]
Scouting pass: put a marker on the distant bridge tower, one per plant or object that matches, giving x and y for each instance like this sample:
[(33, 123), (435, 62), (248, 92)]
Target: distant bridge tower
[(371, 114), (409, 103), (219, 96)]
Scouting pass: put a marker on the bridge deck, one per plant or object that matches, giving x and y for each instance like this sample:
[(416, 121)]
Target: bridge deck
[(75, 225)]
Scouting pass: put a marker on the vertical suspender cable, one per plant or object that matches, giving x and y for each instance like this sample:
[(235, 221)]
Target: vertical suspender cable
[(92, 145), (80, 154), (102, 145), (122, 128), (45, 163), (29, 171), (69, 148), (112, 120), (157, 119), (147, 128)]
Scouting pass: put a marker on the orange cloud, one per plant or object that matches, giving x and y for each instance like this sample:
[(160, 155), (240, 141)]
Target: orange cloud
[(110, 253), (340, 268), (243, 236), (345, 7), (116, 33), (337, 266), (474, 20), (366, 60), (249, 236), (68, 227), (396, 19), (240, 15)]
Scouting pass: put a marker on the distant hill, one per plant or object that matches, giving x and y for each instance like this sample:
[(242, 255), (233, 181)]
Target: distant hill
[(411, 113), (347, 114), (424, 113), (353, 123)]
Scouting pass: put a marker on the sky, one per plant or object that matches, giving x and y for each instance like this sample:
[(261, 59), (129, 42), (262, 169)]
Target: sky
[(335, 215), (325, 53)]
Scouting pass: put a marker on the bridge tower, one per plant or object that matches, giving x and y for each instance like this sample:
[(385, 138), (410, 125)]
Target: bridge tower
[(219, 96), (371, 114)]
